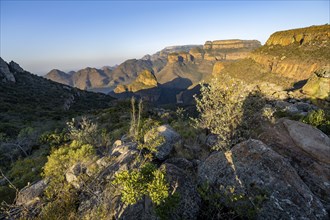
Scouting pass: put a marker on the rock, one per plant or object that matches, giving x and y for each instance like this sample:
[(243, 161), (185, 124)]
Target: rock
[(72, 175), (230, 44), (15, 67), (323, 72), (197, 53), (122, 148), (218, 66), (5, 72), (117, 143), (182, 183), (303, 106), (30, 194), (145, 80), (318, 85), (314, 172), (309, 139), (181, 163), (171, 138), (211, 140), (253, 170)]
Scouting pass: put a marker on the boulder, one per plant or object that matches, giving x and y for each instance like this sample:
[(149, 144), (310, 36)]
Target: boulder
[(300, 146), (31, 194), (318, 85), (171, 138), (311, 140), (252, 170)]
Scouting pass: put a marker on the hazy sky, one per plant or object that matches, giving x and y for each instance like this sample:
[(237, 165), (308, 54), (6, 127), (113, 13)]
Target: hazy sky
[(70, 35)]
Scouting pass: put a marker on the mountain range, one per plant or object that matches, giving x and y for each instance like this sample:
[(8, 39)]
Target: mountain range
[(288, 57)]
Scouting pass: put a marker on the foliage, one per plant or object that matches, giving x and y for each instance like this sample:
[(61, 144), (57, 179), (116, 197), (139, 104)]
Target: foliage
[(164, 209), (60, 160), (318, 118), (84, 131), (221, 109), (229, 203), (146, 181)]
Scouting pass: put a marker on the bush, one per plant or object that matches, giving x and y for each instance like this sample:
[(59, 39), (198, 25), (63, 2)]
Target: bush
[(320, 119), (84, 131), (62, 159), (221, 110), (148, 181)]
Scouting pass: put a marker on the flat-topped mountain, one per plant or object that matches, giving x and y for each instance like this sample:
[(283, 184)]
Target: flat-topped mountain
[(296, 53)]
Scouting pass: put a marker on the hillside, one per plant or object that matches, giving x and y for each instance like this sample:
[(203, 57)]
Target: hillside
[(29, 100)]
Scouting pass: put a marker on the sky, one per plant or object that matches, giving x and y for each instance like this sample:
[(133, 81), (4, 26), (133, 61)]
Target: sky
[(71, 35)]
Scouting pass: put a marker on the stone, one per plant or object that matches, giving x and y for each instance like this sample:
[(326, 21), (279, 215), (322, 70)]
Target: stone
[(32, 193), (72, 175), (309, 139), (171, 138), (253, 169), (314, 172), (318, 85)]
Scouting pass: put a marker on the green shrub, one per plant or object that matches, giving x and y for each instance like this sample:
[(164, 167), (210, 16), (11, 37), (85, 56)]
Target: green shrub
[(84, 131), (60, 160), (320, 119), (148, 181), (228, 109)]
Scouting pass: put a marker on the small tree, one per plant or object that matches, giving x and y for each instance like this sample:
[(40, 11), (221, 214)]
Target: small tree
[(221, 109)]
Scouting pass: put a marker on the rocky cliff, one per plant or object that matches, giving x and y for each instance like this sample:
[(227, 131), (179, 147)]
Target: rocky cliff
[(145, 80), (5, 74), (296, 53), (301, 36)]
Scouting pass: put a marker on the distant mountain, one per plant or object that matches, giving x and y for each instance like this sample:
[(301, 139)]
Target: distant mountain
[(60, 77), (26, 99), (108, 77)]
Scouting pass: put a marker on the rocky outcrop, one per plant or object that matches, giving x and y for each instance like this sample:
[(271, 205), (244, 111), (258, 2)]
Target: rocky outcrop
[(231, 44), (32, 193), (290, 68), (300, 36), (179, 57), (318, 85), (5, 73), (197, 53), (296, 53), (253, 170), (307, 150), (145, 80), (170, 139)]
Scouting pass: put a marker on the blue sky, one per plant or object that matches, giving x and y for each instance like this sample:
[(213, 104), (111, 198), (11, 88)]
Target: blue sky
[(70, 35)]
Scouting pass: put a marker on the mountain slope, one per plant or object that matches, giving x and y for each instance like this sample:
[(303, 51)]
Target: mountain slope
[(34, 100), (60, 77)]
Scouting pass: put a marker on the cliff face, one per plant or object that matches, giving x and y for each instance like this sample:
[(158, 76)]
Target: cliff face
[(296, 53), (219, 50), (301, 36), (145, 80), (231, 44)]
